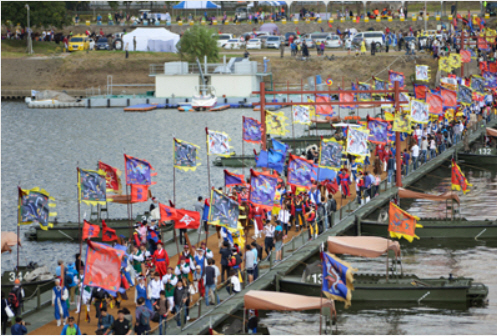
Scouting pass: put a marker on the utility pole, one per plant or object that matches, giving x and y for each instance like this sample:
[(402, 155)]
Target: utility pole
[(28, 30)]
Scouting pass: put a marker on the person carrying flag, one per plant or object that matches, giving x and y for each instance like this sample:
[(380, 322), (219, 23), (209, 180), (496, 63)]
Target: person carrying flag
[(161, 259)]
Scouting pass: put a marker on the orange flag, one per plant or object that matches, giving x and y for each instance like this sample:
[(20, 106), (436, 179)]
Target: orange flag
[(90, 230), (459, 181), (402, 224)]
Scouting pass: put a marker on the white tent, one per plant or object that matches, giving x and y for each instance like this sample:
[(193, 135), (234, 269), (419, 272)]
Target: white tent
[(196, 5), (152, 39)]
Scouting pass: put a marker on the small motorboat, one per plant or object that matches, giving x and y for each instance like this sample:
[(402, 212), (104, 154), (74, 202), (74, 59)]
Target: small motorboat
[(206, 99)]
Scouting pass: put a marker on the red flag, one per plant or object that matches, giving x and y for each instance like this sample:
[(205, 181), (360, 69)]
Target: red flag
[(330, 25), (90, 230), (139, 193), (187, 219), (459, 181), (465, 56), (435, 103), (483, 66), (103, 266), (420, 91), (167, 213), (136, 238), (111, 176), (108, 234), (449, 98), (492, 66)]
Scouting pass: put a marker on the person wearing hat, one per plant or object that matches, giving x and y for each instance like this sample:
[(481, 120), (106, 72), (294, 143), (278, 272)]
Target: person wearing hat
[(344, 182), (71, 328), (269, 237), (235, 262), (169, 281), (161, 259), (183, 270), (266, 61), (18, 291), (59, 296), (198, 281), (155, 286), (310, 216), (19, 328)]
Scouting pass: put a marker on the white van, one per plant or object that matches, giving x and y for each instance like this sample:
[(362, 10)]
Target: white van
[(320, 37), (376, 37)]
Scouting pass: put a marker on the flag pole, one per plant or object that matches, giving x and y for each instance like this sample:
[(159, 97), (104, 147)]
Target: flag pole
[(19, 199), (128, 200), (80, 243), (174, 201), (208, 183), (243, 149)]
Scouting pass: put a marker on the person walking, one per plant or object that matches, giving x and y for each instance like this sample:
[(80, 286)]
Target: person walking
[(415, 156), (134, 43), (164, 309), (59, 296), (16, 298), (71, 328), (181, 300), (105, 321), (210, 282), (225, 253), (121, 325), (363, 47), (268, 240), (143, 315), (278, 239)]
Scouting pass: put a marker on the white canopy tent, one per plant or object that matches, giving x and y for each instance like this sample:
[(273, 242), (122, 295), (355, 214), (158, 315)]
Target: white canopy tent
[(196, 5), (152, 39)]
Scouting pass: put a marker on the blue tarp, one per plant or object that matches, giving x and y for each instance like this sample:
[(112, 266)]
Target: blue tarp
[(272, 3), (196, 5)]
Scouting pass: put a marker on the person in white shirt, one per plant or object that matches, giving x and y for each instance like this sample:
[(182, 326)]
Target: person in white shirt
[(433, 148), (269, 240), (234, 287), (284, 218), (424, 148), (415, 155), (154, 288), (169, 279), (419, 134)]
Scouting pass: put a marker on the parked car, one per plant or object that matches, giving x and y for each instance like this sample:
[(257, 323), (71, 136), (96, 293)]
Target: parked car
[(102, 44), (321, 37), (310, 43), (79, 42), (333, 41), (263, 39), (376, 37), (233, 44), (273, 42), (222, 39), (254, 44)]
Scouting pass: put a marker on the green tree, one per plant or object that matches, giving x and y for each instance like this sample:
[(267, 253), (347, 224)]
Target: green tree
[(41, 13), (199, 42), (114, 5)]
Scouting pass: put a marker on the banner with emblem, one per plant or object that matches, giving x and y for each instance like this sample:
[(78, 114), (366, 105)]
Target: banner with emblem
[(465, 95), (477, 84), (185, 155), (262, 190), (377, 130), (449, 98), (361, 86), (380, 84), (186, 219), (402, 123), (103, 266), (357, 141), (422, 73), (223, 210), (337, 278), (252, 131), (218, 143), (324, 110), (112, 177), (490, 79), (138, 171), (301, 114), (330, 154), (402, 224), (34, 206), (301, 172), (459, 181), (92, 187), (396, 76), (454, 60), (276, 123), (435, 103), (419, 111)]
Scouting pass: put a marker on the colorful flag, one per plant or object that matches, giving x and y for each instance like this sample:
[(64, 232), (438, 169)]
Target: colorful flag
[(301, 114), (232, 179), (301, 172), (402, 224), (330, 154), (420, 91), (272, 159), (454, 60), (435, 103), (252, 130), (262, 190), (492, 66), (103, 266), (108, 234), (185, 155), (357, 141), (346, 98), (138, 171), (459, 181), (377, 130), (324, 110), (363, 87), (186, 219), (422, 73), (223, 211), (276, 123), (449, 98), (402, 123), (444, 64), (139, 193), (449, 83), (337, 279), (465, 56), (396, 76), (92, 187), (112, 177), (380, 84), (218, 143), (167, 213), (490, 79), (465, 95), (420, 111), (90, 230), (477, 84), (33, 206)]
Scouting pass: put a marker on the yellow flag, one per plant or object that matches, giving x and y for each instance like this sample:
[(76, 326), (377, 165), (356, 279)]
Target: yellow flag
[(276, 123), (444, 65), (402, 123), (454, 61)]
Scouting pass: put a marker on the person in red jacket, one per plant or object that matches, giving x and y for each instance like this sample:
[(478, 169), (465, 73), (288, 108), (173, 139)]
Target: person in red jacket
[(257, 214), (344, 182), (161, 259)]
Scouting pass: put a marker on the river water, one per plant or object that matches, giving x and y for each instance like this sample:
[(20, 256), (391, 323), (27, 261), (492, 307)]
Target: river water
[(470, 258), (43, 147)]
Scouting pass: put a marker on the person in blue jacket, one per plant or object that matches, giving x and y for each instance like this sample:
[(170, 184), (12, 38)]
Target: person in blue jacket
[(71, 328)]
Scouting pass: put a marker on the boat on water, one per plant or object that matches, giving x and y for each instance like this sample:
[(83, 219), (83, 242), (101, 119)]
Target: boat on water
[(31, 276), (205, 99), (52, 99), (435, 228), (392, 287), (482, 152)]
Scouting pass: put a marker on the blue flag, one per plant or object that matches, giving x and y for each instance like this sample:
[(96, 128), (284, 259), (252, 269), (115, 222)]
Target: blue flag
[(337, 278), (279, 146)]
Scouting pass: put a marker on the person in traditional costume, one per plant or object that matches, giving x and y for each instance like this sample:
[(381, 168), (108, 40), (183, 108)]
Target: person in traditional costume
[(161, 259), (257, 215), (344, 182), (142, 292), (169, 280), (83, 294), (59, 296), (183, 270)]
